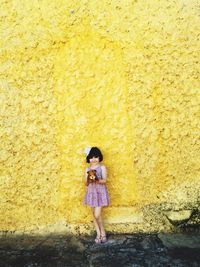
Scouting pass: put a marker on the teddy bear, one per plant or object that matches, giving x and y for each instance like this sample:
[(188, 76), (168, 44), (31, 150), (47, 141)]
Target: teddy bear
[(92, 177)]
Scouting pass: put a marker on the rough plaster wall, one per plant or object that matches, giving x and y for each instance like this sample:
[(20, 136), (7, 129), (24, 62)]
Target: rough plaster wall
[(29, 154), (93, 107), (162, 66), (140, 60)]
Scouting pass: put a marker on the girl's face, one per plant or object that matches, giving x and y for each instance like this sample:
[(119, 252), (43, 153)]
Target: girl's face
[(94, 160)]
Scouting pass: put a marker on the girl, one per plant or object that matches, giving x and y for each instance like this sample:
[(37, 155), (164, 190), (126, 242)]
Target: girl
[(97, 195)]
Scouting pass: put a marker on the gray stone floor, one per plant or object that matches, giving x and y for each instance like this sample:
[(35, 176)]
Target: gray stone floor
[(127, 250)]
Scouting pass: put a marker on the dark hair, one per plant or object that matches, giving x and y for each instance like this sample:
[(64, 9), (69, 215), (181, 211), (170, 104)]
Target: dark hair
[(94, 152)]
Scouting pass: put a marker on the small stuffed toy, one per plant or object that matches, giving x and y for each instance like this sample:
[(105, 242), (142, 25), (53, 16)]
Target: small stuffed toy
[(92, 177)]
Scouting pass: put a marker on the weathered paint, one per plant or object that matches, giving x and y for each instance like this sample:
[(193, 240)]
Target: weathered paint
[(120, 75)]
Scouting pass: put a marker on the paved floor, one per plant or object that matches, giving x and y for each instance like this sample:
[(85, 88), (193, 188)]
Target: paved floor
[(130, 250)]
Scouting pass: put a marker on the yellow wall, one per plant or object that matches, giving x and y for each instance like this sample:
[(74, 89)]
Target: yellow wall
[(122, 76)]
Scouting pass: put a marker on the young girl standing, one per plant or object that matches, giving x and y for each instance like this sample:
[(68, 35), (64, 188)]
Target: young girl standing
[(97, 195)]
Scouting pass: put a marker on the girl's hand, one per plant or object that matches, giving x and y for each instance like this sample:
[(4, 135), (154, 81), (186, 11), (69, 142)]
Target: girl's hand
[(102, 181)]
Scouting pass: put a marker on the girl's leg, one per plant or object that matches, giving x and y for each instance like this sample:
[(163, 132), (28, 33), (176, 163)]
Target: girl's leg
[(97, 215), (96, 224)]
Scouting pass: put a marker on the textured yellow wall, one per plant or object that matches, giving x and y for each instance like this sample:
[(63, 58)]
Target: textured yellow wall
[(122, 76)]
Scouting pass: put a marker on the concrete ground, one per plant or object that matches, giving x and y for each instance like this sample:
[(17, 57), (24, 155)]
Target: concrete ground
[(124, 250)]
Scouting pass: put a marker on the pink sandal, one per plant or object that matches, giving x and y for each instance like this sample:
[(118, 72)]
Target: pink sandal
[(97, 240), (103, 239)]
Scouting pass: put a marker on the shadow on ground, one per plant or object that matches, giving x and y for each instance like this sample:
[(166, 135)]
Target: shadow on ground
[(127, 250)]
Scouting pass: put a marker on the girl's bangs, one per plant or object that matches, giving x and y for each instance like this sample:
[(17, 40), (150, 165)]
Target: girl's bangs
[(93, 154)]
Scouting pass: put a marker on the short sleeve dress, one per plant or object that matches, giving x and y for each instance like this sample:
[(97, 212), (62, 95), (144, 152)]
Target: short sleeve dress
[(97, 194)]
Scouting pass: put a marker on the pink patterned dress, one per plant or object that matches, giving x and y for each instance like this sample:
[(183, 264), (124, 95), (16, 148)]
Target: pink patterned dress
[(97, 194)]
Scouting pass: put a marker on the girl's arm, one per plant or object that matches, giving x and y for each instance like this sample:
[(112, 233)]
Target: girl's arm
[(85, 178), (104, 175)]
